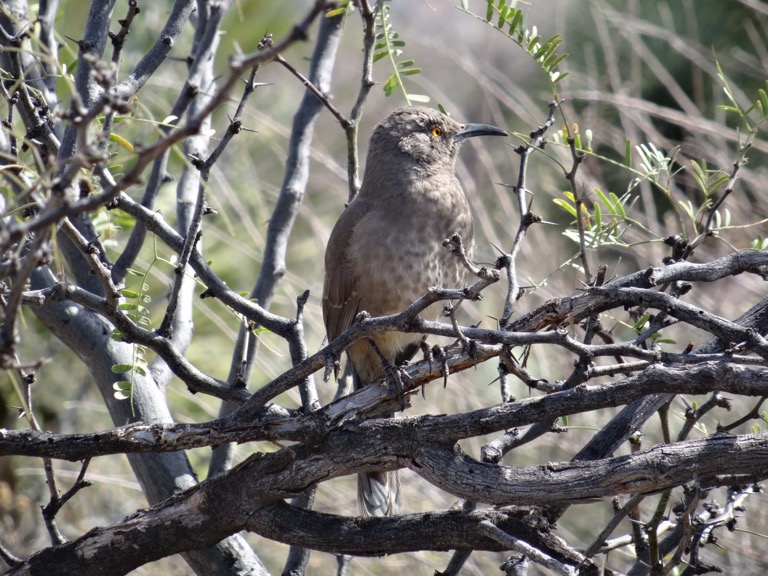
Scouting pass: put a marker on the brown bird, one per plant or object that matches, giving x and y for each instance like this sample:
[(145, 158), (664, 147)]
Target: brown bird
[(387, 250)]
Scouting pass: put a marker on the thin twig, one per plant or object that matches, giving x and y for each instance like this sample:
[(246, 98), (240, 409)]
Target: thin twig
[(532, 553), (368, 16), (508, 260), (238, 65)]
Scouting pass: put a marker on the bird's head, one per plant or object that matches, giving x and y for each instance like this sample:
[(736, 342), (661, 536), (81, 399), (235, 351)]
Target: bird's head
[(423, 137)]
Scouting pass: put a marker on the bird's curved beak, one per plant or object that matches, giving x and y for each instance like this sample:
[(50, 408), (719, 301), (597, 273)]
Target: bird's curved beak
[(472, 130)]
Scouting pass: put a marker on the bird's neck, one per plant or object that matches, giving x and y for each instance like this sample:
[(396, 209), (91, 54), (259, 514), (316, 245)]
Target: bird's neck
[(414, 183)]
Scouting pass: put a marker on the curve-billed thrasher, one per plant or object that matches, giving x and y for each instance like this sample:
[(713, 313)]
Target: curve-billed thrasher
[(386, 250)]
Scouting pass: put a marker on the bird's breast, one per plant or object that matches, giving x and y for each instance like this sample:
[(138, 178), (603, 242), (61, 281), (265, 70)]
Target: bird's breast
[(399, 249)]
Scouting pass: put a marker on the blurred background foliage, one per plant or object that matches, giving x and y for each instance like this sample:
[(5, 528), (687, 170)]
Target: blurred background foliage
[(642, 72)]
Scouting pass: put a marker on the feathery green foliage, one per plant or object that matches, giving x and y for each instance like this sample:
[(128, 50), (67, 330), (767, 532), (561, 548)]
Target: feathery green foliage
[(389, 45)]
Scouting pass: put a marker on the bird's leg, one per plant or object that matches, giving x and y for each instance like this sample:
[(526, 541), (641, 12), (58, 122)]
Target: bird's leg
[(395, 374), (426, 350), (441, 354), (429, 357), (332, 365)]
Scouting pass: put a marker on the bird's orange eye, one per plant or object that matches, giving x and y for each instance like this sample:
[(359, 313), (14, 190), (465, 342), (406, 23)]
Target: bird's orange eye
[(437, 132)]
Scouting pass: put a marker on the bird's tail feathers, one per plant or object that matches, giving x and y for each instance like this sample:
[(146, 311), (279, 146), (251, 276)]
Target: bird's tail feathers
[(378, 493)]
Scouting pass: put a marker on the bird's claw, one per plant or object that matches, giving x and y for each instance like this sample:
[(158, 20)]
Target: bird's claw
[(395, 375), (426, 349), (396, 379), (331, 366), (442, 355)]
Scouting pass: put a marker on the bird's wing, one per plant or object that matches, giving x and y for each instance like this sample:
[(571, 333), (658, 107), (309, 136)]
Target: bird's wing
[(341, 299)]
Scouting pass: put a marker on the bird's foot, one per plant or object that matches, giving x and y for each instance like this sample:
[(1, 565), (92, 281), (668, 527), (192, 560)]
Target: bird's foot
[(362, 315), (426, 350), (441, 353), (396, 375), (470, 346)]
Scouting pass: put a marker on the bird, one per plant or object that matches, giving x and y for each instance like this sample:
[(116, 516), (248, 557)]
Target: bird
[(386, 250)]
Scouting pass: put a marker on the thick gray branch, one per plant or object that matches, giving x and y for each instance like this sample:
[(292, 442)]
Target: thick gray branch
[(227, 503)]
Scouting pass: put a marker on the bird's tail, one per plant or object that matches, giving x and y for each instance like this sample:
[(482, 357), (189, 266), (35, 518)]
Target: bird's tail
[(378, 493)]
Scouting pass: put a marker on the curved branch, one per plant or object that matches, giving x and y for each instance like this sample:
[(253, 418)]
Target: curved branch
[(160, 49), (232, 501), (279, 425)]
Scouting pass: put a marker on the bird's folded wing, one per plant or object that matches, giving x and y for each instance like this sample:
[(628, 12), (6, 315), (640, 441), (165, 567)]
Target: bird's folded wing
[(341, 299)]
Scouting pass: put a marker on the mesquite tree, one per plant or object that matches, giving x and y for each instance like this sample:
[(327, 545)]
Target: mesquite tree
[(161, 242)]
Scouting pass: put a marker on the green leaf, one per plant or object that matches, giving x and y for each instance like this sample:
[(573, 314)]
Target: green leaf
[(410, 71), (565, 206), (121, 368), (515, 22), (336, 12), (545, 51), (391, 85), (641, 322), (763, 101), (120, 141), (489, 11), (122, 390), (502, 17), (129, 293), (618, 204), (598, 217), (418, 98), (532, 43), (554, 64), (604, 199)]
